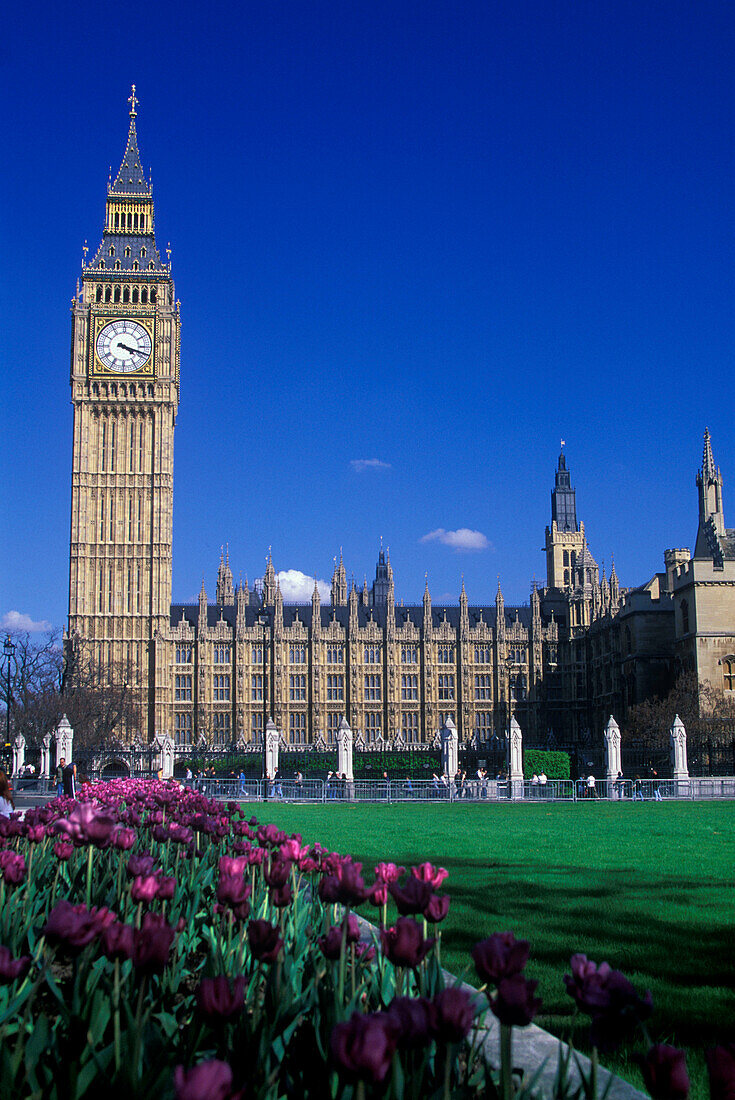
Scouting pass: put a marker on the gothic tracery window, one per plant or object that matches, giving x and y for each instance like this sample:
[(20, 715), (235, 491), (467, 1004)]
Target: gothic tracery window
[(728, 673)]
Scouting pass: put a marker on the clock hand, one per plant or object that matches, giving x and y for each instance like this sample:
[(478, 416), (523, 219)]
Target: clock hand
[(133, 351)]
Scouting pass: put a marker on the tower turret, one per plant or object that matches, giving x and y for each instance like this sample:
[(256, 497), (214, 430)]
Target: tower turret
[(339, 583), (711, 525), (382, 581), (225, 586), (269, 582)]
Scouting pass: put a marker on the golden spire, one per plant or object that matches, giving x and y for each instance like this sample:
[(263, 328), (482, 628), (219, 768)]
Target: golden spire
[(133, 101)]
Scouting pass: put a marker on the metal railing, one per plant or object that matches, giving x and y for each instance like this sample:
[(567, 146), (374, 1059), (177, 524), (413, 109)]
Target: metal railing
[(696, 788)]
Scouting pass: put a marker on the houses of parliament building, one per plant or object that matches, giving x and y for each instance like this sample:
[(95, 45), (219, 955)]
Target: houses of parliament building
[(216, 671)]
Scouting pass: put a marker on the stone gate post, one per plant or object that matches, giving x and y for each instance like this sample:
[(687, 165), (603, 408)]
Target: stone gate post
[(678, 736), (613, 756), (64, 740), (344, 750), (515, 759), (271, 748), (19, 753), (46, 756), (450, 748)]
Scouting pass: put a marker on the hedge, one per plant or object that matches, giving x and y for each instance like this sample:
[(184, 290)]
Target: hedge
[(555, 764)]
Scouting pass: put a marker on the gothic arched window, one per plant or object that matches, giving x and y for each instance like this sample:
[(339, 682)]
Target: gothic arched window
[(684, 617), (728, 673)]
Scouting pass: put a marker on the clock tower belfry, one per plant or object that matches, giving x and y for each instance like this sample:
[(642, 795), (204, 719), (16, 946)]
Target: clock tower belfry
[(125, 393)]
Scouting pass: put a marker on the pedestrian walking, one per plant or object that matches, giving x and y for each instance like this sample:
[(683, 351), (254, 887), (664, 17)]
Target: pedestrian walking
[(60, 777)]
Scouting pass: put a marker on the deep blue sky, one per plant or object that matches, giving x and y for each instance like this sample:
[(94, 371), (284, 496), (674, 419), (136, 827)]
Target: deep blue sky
[(437, 235)]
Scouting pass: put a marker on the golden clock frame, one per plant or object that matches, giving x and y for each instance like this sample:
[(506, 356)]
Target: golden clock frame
[(98, 368)]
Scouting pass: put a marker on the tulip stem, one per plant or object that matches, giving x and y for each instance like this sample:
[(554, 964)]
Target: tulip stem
[(506, 1061), (341, 985), (116, 1014), (593, 1073), (90, 856)]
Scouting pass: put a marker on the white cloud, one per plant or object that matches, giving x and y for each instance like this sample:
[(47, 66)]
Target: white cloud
[(298, 587), (360, 465), (18, 621), (461, 539)]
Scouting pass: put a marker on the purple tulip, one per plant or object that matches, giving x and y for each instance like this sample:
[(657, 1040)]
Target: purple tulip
[(179, 834), (277, 873), (362, 1049), (413, 1021), (388, 872), (233, 892), (609, 998), (152, 944), (233, 867), (142, 864), (11, 968), (352, 890), (281, 896), (455, 1014), (118, 941), (144, 888), (411, 898), (208, 1081), (404, 944), (85, 824), (500, 956), (75, 926), (331, 944), (721, 1068), (328, 889), (12, 867), (36, 833), (63, 850), (123, 839), (365, 952), (434, 876), (265, 943), (378, 895), (514, 1003), (221, 998), (166, 887), (437, 908), (664, 1071)]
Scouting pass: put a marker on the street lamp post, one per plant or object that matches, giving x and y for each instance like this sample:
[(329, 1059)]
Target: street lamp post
[(8, 653)]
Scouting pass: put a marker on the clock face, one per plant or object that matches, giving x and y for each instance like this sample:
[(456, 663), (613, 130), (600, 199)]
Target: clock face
[(124, 346)]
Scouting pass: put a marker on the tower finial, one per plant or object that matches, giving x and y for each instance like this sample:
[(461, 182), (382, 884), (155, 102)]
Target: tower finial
[(708, 462), (133, 101)]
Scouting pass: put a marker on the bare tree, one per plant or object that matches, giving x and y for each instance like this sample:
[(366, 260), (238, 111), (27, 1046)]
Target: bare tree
[(47, 681), (706, 713), (102, 706), (35, 681)]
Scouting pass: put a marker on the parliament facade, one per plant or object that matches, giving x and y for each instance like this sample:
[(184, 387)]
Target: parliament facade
[(216, 671)]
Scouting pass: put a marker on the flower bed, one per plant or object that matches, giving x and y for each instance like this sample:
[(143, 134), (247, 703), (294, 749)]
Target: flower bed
[(154, 943)]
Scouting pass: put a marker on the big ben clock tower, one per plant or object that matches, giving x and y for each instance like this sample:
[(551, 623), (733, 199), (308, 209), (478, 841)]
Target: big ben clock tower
[(125, 392)]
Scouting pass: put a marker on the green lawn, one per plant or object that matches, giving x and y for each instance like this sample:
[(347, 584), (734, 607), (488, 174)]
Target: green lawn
[(645, 886)]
